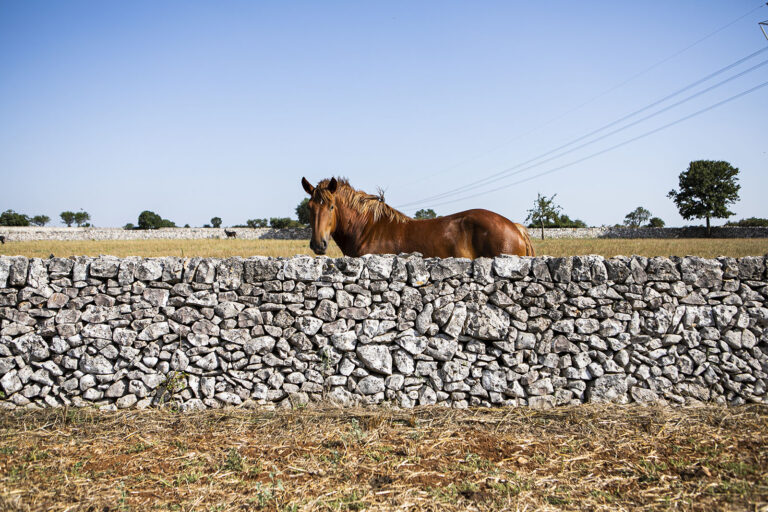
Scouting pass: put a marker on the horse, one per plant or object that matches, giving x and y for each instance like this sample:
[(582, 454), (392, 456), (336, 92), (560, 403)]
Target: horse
[(362, 223)]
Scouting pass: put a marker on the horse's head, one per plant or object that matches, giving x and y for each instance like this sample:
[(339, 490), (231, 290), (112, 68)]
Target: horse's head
[(322, 213)]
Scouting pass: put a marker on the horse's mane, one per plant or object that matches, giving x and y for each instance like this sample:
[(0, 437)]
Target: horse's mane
[(359, 201)]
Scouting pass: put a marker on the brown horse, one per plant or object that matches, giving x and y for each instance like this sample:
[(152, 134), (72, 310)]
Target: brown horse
[(361, 223)]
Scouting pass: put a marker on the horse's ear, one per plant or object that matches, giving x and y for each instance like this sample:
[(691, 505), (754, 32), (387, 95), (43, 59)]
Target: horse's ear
[(332, 185), (307, 186)]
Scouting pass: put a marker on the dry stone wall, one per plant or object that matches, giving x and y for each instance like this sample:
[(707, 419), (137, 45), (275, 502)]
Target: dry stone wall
[(510, 331), (24, 234)]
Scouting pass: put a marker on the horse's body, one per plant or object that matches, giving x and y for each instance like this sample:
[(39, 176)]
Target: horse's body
[(361, 223)]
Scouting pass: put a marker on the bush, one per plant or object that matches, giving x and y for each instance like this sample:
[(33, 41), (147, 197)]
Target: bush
[(562, 221), (151, 220), (82, 218), (752, 222), (425, 214), (302, 212), (40, 220), (655, 222), (11, 218), (257, 223), (67, 217), (284, 222)]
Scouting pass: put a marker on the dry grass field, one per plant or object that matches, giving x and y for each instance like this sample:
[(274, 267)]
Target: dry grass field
[(583, 458), (735, 247)]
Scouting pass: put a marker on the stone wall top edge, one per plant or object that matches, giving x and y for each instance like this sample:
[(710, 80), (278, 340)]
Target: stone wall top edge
[(408, 256), (413, 268)]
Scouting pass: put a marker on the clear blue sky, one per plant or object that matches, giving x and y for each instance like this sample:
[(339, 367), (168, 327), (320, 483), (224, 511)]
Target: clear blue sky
[(199, 109)]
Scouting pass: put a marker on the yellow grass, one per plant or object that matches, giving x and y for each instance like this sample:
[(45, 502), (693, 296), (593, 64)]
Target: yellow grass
[(599, 458), (735, 247)]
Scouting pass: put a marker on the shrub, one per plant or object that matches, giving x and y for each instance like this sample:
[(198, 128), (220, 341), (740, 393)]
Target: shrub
[(752, 222), (151, 220), (284, 222), (11, 218)]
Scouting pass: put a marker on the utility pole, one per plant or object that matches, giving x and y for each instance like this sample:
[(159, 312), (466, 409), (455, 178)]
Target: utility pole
[(764, 25)]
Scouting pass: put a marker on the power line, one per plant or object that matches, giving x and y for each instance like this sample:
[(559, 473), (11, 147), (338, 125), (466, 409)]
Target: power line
[(521, 167), (598, 96), (611, 148)]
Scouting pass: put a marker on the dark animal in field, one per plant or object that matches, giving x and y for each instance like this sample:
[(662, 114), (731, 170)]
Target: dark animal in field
[(362, 223), (230, 234), (2, 239)]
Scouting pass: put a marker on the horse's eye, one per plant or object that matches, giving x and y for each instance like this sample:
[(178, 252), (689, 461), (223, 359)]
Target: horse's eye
[(331, 207)]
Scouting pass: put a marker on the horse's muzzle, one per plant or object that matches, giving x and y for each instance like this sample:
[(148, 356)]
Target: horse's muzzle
[(319, 248)]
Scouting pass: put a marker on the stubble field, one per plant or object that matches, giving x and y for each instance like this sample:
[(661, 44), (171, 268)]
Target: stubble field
[(710, 248), (577, 458)]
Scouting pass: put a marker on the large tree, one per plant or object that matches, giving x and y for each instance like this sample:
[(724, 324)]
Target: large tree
[(706, 190), (544, 211), (637, 217), (216, 222)]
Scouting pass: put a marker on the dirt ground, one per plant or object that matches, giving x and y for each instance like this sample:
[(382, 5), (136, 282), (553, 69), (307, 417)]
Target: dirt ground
[(581, 458)]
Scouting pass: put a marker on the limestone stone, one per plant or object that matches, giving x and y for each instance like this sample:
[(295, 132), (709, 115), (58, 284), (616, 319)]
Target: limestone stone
[(376, 358)]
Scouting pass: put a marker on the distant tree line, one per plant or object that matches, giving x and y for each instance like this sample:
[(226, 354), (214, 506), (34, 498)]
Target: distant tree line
[(12, 218)]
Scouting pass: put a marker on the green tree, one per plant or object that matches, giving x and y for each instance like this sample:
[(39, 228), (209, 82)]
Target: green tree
[(564, 221), (256, 223), (302, 211), (82, 218), (40, 220), (637, 217), (284, 222), (151, 220), (425, 214), (11, 218), (67, 218), (655, 222), (216, 222), (544, 210), (707, 187), (749, 223)]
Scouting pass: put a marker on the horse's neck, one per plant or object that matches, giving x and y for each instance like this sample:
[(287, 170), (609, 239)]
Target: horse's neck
[(355, 232)]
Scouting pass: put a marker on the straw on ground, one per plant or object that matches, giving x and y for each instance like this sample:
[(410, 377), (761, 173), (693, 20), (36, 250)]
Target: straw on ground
[(584, 458)]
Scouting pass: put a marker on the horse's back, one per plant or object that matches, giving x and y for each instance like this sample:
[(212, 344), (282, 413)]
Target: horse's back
[(477, 233)]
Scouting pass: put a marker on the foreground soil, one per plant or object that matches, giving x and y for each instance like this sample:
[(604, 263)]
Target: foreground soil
[(582, 458), (704, 247)]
